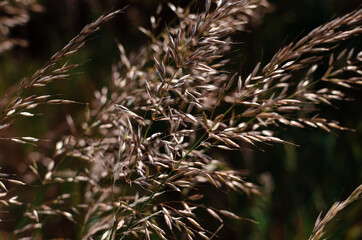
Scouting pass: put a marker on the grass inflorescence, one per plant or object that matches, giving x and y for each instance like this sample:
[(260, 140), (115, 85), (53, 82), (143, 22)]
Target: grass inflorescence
[(147, 143)]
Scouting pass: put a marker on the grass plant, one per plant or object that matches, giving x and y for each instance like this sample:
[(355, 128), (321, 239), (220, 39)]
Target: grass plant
[(147, 144)]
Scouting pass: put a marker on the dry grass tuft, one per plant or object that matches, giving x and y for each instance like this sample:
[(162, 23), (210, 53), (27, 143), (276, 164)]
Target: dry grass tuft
[(146, 145)]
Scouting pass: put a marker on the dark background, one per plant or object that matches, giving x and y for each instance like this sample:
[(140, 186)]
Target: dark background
[(297, 182)]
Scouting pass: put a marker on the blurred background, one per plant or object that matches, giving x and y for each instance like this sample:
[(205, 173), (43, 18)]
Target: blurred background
[(297, 182)]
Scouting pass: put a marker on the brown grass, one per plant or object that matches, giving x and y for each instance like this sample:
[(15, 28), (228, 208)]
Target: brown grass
[(320, 224), (148, 137)]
